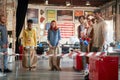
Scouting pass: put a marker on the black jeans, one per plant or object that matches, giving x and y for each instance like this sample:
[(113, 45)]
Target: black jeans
[(95, 49)]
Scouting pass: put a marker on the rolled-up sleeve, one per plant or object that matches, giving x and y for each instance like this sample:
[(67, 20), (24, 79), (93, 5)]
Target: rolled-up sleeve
[(59, 35), (3, 35)]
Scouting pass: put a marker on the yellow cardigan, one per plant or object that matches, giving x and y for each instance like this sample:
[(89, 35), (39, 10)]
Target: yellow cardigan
[(29, 38)]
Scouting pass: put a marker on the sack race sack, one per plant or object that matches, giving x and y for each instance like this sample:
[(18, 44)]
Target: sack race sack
[(53, 51), (54, 62), (29, 58)]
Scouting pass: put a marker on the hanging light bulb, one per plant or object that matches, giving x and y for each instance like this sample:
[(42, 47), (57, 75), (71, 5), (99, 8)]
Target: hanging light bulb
[(68, 3), (87, 3), (46, 2)]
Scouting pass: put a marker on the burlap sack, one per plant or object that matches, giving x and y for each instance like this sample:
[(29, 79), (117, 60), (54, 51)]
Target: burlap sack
[(29, 58)]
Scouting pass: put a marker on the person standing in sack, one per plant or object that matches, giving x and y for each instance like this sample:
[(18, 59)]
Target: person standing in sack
[(90, 32), (53, 40), (4, 43), (82, 33), (82, 29), (29, 60), (100, 32)]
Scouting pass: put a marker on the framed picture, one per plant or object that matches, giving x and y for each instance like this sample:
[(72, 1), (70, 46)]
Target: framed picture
[(65, 15), (51, 15), (32, 14), (78, 13)]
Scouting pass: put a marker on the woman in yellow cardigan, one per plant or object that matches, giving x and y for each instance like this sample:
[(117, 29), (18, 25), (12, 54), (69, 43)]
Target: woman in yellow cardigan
[(29, 43)]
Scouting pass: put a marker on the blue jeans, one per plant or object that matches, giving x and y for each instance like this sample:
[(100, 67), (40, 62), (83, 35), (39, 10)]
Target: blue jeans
[(83, 47), (84, 62), (5, 58)]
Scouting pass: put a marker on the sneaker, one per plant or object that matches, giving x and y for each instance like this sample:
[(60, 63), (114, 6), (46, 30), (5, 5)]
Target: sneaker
[(7, 71), (33, 69), (2, 74)]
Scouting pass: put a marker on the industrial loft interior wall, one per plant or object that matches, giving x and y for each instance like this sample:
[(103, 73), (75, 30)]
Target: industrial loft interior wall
[(66, 17), (8, 8)]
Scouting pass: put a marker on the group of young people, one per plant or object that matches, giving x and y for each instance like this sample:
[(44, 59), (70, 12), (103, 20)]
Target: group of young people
[(91, 33)]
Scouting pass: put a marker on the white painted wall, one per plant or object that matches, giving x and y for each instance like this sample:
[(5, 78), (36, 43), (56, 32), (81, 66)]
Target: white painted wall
[(110, 31)]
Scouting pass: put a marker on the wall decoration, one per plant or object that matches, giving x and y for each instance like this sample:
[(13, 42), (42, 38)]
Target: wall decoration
[(32, 14), (51, 15), (65, 15), (86, 13), (41, 12), (78, 13), (42, 19), (47, 26), (42, 26), (66, 29)]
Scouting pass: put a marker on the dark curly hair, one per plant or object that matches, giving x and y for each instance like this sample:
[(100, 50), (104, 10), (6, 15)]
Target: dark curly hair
[(29, 21)]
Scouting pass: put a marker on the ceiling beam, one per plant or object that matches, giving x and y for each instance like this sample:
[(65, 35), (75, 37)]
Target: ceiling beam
[(95, 3)]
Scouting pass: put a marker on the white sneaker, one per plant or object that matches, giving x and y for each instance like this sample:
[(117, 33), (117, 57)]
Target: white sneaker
[(86, 72), (2, 74)]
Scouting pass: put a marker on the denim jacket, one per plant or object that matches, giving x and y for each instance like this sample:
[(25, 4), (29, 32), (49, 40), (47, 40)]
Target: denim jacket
[(54, 37), (3, 35)]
